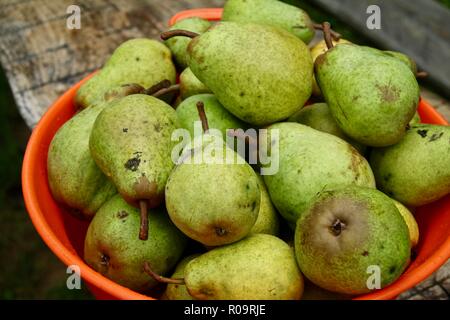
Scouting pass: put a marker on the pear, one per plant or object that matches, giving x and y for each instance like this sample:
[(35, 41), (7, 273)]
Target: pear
[(318, 116), (349, 237), (190, 85), (416, 170), (267, 221), (212, 195), (273, 13), (317, 50), (179, 291), (260, 82), (405, 59), (131, 143), (310, 161), (259, 267), (141, 61), (112, 248), (74, 178), (411, 222), (178, 45), (416, 119), (372, 96), (218, 117)]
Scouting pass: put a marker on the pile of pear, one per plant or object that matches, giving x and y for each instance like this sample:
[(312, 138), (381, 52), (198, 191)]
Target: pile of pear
[(351, 167)]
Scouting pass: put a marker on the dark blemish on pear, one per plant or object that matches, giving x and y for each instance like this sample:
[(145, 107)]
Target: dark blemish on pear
[(422, 133), (253, 205), (241, 94), (392, 269), (122, 214), (388, 93), (365, 253), (337, 227), (387, 177), (133, 163), (220, 231), (104, 260), (138, 59), (436, 136), (157, 127), (125, 130)]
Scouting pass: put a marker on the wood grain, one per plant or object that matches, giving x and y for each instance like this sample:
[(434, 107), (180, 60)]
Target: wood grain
[(42, 58)]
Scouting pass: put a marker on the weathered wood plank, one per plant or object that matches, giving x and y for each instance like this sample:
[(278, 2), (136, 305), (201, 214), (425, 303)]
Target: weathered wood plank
[(419, 28), (42, 58)]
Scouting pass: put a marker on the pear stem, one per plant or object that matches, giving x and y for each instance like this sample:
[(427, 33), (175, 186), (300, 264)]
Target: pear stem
[(159, 278), (202, 115), (178, 33), (421, 74), (336, 35), (143, 231), (163, 91), (155, 88), (327, 34)]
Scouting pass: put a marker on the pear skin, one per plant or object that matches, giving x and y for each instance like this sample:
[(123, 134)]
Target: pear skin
[(112, 248), (348, 233), (141, 61), (246, 270), (190, 85)]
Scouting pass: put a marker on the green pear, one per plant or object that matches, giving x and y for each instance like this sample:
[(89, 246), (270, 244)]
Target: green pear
[(131, 143), (267, 221), (318, 49), (416, 170), (179, 291), (273, 13), (405, 59), (141, 61), (318, 116), (218, 117), (372, 96), (178, 45), (260, 82), (212, 195), (73, 176), (259, 267), (411, 222), (416, 119), (190, 85), (310, 161), (349, 238), (112, 248)]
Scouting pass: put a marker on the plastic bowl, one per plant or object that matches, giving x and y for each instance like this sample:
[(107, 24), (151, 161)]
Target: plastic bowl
[(65, 234)]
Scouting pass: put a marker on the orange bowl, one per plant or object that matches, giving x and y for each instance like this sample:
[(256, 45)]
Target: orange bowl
[(65, 234)]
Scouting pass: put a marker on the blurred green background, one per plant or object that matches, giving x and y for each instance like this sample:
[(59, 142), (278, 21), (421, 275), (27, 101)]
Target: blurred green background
[(28, 269)]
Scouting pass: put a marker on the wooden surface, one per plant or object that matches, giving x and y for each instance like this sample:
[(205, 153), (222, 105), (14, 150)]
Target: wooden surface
[(42, 58), (419, 28)]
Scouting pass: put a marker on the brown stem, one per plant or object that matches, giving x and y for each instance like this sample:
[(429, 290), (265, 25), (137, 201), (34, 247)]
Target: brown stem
[(155, 88), (178, 33), (421, 74), (327, 34), (163, 91), (143, 231), (335, 35), (202, 115), (159, 278)]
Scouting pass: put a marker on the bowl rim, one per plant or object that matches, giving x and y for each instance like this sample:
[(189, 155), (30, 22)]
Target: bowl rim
[(68, 257)]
